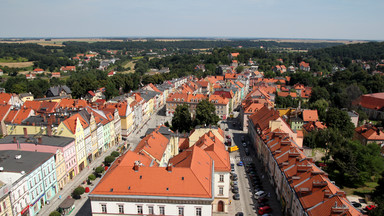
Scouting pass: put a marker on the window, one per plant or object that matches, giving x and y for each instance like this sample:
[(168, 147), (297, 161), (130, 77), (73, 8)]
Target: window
[(221, 178), (121, 209), (150, 210), (4, 205), (162, 210), (198, 211), (181, 210), (221, 190), (139, 209), (103, 208)]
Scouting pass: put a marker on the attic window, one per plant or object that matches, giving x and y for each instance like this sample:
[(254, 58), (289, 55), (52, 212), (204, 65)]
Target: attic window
[(167, 188), (111, 190), (182, 178), (141, 177)]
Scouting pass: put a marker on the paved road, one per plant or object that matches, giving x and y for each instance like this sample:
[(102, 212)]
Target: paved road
[(247, 204)]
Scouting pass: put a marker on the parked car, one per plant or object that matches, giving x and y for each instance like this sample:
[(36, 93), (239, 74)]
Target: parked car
[(240, 163), (262, 199), (235, 189), (228, 137), (356, 204), (239, 214), (234, 178), (232, 167), (370, 207), (236, 196), (234, 183), (260, 194), (264, 210)]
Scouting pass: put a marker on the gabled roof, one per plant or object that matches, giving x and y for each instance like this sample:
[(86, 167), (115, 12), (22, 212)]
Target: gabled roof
[(372, 101), (70, 122), (48, 107), (192, 178), (218, 99), (4, 110), (310, 115), (11, 115), (5, 98), (153, 145), (35, 105), (23, 114), (370, 132), (333, 206), (285, 94), (72, 103), (263, 116), (312, 125)]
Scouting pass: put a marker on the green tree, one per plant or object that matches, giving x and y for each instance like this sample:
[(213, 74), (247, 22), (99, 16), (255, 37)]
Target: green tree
[(321, 106), (92, 177), (76, 194), (181, 120), (99, 170), (55, 213), (108, 160), (115, 154), (240, 69), (111, 91), (339, 119), (206, 113), (319, 93)]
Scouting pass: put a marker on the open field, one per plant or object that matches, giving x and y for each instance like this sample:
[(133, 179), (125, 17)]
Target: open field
[(16, 64), (370, 186), (314, 41)]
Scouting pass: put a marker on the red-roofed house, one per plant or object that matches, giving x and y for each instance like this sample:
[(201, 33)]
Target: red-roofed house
[(372, 104), (4, 111), (110, 74), (184, 186), (68, 68), (56, 74), (369, 133), (38, 70), (221, 105), (310, 115), (304, 66), (30, 76), (299, 183)]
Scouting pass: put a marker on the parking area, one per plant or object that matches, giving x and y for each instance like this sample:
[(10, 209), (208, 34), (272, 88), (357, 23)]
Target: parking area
[(249, 179)]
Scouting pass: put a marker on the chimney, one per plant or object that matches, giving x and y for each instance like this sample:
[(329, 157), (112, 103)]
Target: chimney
[(169, 168), (136, 167), (45, 118), (25, 133), (49, 130), (14, 139), (40, 140)]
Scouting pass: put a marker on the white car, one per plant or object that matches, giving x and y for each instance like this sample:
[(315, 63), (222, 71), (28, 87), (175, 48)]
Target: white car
[(259, 194)]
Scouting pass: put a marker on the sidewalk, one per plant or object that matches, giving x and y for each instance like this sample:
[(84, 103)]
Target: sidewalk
[(68, 188)]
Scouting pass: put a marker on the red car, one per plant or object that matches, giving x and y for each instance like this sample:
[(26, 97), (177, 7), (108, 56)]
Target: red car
[(370, 207), (264, 210)]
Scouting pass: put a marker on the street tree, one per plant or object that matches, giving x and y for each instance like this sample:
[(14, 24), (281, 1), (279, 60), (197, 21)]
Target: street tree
[(206, 113), (339, 119), (181, 120)]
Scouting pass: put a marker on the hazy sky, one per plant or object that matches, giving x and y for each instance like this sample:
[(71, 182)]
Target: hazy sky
[(330, 19)]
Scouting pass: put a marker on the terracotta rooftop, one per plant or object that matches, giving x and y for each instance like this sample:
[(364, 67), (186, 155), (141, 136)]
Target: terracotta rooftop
[(153, 145), (370, 132), (189, 175), (310, 115)]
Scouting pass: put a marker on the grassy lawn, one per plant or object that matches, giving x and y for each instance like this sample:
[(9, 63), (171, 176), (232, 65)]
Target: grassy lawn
[(361, 191), (17, 64)]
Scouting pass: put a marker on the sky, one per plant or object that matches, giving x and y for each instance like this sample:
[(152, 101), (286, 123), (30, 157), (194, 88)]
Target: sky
[(312, 19)]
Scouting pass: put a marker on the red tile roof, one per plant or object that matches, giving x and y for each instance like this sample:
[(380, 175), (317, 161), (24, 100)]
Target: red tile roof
[(310, 126), (70, 122), (372, 101), (235, 54), (190, 176), (370, 132), (38, 70), (286, 94), (11, 115), (154, 145), (23, 114), (5, 98), (220, 99), (35, 105), (48, 107), (4, 110), (333, 206), (263, 116), (310, 115)]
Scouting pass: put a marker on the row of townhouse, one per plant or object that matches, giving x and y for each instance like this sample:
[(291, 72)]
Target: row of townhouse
[(28, 181), (167, 175), (94, 131), (301, 186), (226, 95)]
